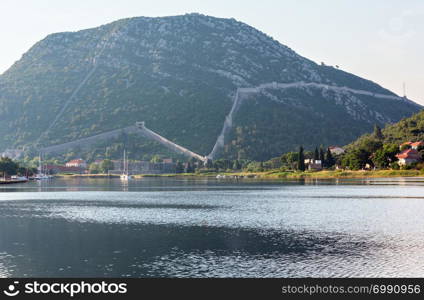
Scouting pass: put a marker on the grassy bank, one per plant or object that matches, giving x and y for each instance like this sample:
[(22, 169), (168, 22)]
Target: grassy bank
[(134, 176), (277, 174), (87, 175)]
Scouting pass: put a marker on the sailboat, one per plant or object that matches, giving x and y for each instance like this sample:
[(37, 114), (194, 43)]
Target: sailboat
[(125, 176), (40, 175)]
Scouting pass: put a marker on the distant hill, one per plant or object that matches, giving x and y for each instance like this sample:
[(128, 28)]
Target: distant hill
[(407, 130), (182, 75), (380, 148)]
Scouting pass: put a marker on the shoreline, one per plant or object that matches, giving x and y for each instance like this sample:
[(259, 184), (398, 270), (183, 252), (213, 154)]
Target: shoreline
[(341, 174), (274, 174), (12, 181)]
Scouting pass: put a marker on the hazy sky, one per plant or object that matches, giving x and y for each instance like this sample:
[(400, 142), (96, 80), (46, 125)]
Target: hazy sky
[(381, 40)]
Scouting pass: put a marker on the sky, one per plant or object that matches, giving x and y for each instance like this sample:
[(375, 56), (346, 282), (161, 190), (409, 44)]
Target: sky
[(380, 40)]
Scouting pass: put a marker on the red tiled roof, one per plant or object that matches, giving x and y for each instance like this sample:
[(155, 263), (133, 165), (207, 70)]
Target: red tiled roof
[(417, 144), (409, 153), (76, 161)]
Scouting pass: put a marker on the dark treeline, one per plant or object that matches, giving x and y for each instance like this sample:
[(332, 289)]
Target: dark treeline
[(8, 167), (378, 150), (287, 161)]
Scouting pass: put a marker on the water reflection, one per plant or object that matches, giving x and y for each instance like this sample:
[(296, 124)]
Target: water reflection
[(56, 247), (204, 228)]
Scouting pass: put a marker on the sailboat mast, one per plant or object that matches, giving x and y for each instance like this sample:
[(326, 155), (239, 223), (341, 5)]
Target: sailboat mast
[(124, 165)]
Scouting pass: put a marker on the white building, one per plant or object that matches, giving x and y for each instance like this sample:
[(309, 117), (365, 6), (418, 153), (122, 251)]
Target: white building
[(335, 150), (312, 164), (77, 163)]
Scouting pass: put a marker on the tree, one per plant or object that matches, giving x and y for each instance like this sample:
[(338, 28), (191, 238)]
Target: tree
[(378, 134), (290, 159), (223, 164), (316, 154), (321, 155), (209, 164), (329, 159), (273, 163), (179, 168), (421, 151), (8, 166), (405, 147), (371, 145), (156, 159), (94, 168), (22, 171), (236, 165), (254, 166), (189, 168), (356, 159), (301, 162), (106, 166), (383, 157)]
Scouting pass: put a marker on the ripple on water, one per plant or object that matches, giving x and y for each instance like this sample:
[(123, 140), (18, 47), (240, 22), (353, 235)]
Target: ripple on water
[(239, 264), (291, 231)]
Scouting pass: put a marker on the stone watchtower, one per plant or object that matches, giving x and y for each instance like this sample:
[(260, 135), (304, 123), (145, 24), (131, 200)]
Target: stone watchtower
[(140, 125)]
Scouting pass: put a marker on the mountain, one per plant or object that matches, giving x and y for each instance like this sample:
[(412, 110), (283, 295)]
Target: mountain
[(406, 130), (380, 148), (192, 79)]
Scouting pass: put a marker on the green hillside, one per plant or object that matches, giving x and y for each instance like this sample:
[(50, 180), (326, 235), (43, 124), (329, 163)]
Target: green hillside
[(380, 147), (180, 74), (406, 130)]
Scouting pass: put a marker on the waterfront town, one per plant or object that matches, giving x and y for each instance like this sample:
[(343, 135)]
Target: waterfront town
[(80, 166), (404, 156)]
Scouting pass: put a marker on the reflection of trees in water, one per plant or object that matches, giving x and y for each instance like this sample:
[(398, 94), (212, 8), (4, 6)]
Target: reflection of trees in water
[(43, 246)]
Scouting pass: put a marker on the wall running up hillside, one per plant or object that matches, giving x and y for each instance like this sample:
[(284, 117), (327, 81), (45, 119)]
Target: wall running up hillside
[(139, 128), (240, 95), (244, 93)]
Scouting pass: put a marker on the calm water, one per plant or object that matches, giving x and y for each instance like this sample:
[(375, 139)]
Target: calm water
[(209, 228)]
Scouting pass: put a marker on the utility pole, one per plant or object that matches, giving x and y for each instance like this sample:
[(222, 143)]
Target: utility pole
[(404, 90)]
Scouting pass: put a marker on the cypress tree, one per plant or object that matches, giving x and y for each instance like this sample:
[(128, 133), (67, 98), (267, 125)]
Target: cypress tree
[(329, 160), (316, 154), (209, 164), (189, 168), (378, 134), (301, 162), (321, 155)]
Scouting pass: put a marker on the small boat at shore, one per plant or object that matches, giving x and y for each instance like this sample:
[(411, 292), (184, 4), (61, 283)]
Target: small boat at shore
[(125, 175), (40, 175), (19, 178)]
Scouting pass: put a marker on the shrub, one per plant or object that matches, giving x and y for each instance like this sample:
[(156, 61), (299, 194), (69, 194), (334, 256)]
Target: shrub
[(394, 166), (420, 166)]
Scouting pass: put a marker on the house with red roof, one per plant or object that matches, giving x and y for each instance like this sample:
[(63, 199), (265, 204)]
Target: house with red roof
[(409, 156), (413, 145), (77, 163), (417, 145), (336, 150)]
